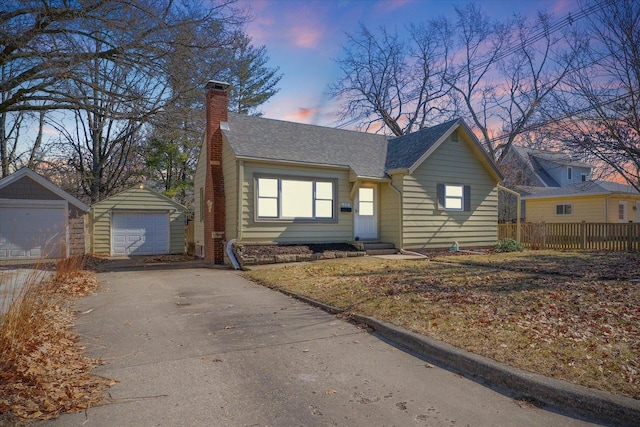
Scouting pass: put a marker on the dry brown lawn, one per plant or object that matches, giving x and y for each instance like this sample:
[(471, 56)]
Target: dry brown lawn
[(569, 315)]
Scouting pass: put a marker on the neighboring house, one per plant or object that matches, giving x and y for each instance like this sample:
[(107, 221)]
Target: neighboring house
[(591, 201), (269, 181), (38, 219), (137, 221), (538, 168), (528, 170)]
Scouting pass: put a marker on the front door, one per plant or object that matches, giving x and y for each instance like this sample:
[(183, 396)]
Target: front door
[(366, 213)]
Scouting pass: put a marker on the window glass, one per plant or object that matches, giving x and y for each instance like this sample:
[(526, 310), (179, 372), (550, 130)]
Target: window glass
[(324, 209), (281, 198), (324, 190), (453, 197), (268, 208), (297, 199), (267, 187), (563, 209), (365, 201)]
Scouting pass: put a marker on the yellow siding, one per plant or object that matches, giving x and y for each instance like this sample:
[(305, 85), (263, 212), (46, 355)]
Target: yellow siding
[(389, 215), (198, 183), (599, 208), (229, 169), (426, 227), (291, 232), (135, 199)]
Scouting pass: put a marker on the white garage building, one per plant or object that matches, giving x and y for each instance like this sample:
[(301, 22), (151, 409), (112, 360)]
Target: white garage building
[(38, 219), (137, 221)]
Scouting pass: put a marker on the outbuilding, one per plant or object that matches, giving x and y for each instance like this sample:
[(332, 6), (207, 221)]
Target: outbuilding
[(38, 219), (137, 221)]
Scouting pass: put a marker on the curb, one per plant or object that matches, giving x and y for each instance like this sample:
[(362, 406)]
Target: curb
[(565, 397)]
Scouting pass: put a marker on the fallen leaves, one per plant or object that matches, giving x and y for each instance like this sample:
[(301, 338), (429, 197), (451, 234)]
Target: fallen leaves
[(43, 370), (568, 315)]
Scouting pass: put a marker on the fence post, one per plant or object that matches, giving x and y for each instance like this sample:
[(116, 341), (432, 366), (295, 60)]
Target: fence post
[(583, 234), (629, 236)]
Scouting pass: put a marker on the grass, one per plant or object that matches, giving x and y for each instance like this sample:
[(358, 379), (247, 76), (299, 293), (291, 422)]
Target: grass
[(568, 315), (43, 370)]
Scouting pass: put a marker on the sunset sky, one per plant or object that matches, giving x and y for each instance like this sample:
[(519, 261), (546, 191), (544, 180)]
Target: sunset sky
[(304, 37)]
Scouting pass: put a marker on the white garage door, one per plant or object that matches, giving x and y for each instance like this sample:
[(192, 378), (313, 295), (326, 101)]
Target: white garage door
[(29, 230), (139, 233)]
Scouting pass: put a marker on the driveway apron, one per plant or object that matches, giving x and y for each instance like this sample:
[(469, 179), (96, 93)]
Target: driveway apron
[(204, 347)]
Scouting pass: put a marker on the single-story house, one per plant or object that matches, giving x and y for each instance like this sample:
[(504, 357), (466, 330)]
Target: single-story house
[(590, 201), (270, 181), (137, 221), (38, 219)]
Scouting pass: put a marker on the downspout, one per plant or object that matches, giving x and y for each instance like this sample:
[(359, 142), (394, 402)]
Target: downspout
[(400, 216), (240, 201), (518, 208), (231, 255)]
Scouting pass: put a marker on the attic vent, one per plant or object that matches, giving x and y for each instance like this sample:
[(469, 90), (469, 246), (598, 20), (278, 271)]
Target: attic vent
[(454, 137)]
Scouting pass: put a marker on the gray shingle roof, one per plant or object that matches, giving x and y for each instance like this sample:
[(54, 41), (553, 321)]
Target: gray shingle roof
[(268, 139), (532, 158), (369, 155), (405, 150), (585, 189)]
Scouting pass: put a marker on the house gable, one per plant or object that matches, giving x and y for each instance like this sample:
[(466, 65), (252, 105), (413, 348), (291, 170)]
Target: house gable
[(410, 151), (426, 225), (27, 184)]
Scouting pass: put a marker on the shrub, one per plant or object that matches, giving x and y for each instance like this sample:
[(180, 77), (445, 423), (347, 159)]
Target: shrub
[(507, 245)]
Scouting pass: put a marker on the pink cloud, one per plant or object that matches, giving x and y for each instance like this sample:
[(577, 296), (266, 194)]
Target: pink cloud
[(305, 37), (385, 6), (562, 7), (302, 115)]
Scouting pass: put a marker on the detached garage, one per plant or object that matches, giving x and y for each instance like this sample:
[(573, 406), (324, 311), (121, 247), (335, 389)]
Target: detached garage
[(38, 219), (138, 221)]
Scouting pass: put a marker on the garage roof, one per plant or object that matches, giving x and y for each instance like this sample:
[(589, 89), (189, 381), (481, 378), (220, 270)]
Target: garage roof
[(6, 181)]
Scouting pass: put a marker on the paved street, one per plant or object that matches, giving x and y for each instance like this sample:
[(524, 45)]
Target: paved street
[(203, 347)]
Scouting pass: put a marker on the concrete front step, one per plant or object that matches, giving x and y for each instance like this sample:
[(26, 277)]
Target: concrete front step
[(379, 248), (372, 252)]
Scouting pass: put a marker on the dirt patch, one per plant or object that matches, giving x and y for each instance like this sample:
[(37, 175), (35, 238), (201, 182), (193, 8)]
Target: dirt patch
[(271, 254)]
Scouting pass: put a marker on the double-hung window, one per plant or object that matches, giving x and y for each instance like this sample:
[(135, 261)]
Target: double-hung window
[(565, 209), (454, 197), (293, 198)]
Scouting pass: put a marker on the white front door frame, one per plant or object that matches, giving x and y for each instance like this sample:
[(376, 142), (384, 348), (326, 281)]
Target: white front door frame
[(365, 220)]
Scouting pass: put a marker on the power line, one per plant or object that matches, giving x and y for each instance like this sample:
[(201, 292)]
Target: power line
[(557, 26)]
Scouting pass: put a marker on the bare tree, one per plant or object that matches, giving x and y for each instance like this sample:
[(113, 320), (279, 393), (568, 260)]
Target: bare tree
[(389, 84), (508, 70), (599, 112), (107, 61)]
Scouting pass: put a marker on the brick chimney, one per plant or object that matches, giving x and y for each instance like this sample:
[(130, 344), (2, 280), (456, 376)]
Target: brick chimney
[(215, 218)]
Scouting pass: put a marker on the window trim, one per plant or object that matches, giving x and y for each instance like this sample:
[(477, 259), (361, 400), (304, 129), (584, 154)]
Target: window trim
[(314, 180), (442, 197), (564, 209)]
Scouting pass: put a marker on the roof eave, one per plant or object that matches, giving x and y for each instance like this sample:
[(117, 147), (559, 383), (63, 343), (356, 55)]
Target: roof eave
[(291, 162)]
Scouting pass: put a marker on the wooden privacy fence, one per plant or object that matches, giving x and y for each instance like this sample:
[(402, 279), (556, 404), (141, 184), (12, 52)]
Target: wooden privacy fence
[(583, 235)]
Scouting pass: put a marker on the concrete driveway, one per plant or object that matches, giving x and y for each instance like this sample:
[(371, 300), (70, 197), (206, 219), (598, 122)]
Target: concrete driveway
[(204, 347)]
